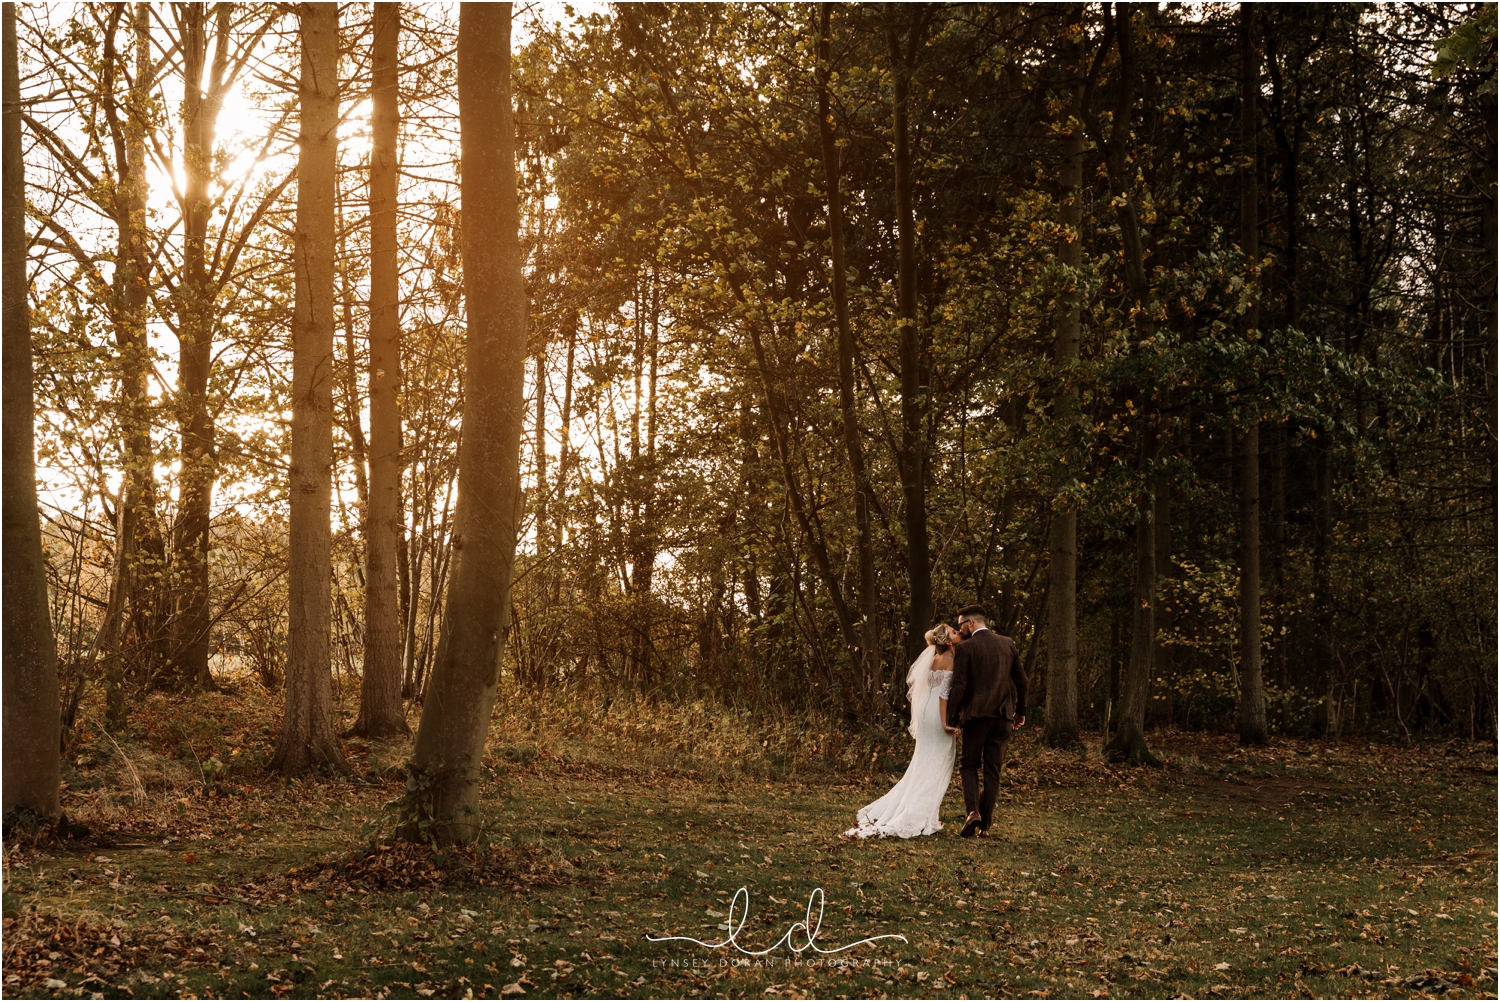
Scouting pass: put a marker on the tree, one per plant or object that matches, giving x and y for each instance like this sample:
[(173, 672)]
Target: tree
[(33, 771), (1252, 686), (1062, 570), (444, 792), (380, 709), (307, 733), (869, 635), (1129, 742), (206, 267), (913, 461)]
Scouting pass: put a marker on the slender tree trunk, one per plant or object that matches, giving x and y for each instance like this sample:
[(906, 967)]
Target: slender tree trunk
[(541, 448), (565, 435), (32, 764), (359, 449), (1161, 658), (137, 516), (869, 626), (1278, 558), (1062, 572), (403, 591), (643, 557), (380, 711), (307, 732), (196, 309), (1252, 686), (1129, 742), (456, 712), (912, 459), (749, 458), (1287, 148), (1322, 607)]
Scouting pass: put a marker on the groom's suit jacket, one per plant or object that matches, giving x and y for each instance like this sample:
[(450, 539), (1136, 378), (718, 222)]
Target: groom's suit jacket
[(988, 680)]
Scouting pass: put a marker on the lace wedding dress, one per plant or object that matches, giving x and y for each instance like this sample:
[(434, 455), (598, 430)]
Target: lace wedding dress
[(913, 805)]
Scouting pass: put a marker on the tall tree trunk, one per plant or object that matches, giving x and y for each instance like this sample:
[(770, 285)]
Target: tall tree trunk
[(307, 732), (137, 516), (200, 111), (1287, 148), (380, 711), (456, 712), (1252, 686), (32, 764), (1062, 571), (912, 458), (1129, 743), (869, 626)]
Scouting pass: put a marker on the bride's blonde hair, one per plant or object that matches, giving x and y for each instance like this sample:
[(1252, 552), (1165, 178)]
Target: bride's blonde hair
[(941, 636)]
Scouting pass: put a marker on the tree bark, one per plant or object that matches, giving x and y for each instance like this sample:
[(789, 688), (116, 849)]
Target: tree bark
[(307, 732), (565, 439), (1327, 714), (200, 111), (1129, 743), (913, 463), (32, 763), (380, 710), (444, 791), (869, 627), (137, 517), (1252, 686), (1062, 572)]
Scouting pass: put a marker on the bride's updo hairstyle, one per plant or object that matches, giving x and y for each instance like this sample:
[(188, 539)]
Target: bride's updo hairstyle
[(941, 636)]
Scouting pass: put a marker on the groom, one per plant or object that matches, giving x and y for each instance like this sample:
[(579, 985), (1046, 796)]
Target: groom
[(987, 701)]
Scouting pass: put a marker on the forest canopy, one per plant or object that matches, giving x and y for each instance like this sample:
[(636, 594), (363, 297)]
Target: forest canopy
[(1165, 332)]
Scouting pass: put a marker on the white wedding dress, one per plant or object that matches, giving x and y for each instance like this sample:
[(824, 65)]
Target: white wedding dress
[(914, 804)]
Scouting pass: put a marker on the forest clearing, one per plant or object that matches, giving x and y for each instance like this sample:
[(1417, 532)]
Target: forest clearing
[(1332, 869)]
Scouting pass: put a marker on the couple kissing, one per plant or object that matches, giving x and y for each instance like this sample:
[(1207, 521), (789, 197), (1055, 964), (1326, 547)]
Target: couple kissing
[(969, 681)]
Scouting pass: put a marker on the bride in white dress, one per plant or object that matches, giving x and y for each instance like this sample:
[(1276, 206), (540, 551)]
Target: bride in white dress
[(913, 805)]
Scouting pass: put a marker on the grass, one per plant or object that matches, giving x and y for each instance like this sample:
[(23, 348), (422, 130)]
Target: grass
[(1308, 869)]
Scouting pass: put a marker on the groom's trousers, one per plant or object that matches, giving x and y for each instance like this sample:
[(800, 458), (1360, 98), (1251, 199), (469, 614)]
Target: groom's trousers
[(985, 739)]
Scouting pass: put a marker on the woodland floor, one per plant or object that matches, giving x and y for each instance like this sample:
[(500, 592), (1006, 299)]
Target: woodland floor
[(1339, 869)]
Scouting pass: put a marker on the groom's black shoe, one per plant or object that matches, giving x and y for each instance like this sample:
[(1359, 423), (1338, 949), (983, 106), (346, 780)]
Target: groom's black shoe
[(971, 826)]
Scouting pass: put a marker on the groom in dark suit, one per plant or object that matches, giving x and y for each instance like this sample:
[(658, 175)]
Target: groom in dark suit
[(987, 701)]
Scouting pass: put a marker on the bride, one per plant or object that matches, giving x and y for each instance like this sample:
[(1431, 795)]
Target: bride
[(912, 806)]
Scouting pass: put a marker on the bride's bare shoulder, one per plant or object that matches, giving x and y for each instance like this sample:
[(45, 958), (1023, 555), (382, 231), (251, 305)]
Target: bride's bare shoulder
[(943, 662)]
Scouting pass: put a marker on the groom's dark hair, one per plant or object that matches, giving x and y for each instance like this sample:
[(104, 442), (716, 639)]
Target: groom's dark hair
[(972, 612)]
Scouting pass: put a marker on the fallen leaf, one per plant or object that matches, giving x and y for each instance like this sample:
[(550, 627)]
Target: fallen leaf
[(1222, 966)]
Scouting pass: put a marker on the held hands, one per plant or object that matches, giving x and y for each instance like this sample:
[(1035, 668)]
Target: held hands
[(1019, 722)]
